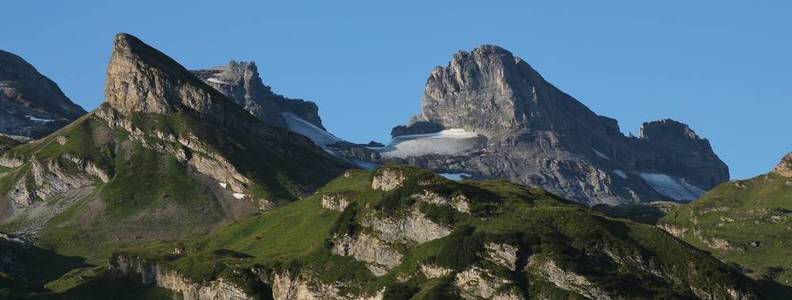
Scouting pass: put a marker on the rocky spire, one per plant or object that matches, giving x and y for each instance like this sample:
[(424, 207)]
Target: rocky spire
[(490, 91), (784, 168), (143, 79)]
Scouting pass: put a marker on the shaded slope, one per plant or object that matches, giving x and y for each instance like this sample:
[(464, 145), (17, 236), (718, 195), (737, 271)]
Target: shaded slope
[(32, 105)]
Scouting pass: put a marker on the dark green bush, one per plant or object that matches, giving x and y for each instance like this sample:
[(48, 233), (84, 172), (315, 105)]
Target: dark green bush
[(347, 222), (399, 291), (461, 250)]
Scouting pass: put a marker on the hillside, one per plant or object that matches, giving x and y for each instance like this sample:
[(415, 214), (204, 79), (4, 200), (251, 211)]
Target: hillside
[(745, 222), (165, 156), (401, 232)]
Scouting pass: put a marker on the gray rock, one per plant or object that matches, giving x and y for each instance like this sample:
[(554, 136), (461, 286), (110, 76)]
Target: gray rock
[(32, 104), (241, 82), (538, 135)]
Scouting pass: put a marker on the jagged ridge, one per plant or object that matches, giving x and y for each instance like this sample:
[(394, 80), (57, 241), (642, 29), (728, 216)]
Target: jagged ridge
[(536, 134), (241, 82)]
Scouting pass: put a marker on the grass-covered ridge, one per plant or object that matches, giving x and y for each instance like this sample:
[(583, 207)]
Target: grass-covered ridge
[(745, 222), (126, 187), (613, 254)]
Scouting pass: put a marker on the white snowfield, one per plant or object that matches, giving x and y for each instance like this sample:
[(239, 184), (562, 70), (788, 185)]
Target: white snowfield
[(317, 135), (447, 142), (215, 80), (32, 118), (672, 187)]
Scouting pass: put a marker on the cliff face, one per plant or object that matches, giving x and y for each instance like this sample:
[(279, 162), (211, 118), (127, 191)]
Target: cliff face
[(537, 134), (241, 82), (33, 105)]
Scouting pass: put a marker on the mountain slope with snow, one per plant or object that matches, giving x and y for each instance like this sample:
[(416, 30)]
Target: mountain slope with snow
[(453, 141)]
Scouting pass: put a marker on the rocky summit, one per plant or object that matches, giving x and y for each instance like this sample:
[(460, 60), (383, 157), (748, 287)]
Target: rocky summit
[(489, 114), (241, 82), (33, 105)]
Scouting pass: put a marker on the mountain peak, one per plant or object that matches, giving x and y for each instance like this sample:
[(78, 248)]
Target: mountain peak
[(538, 135), (143, 79), (784, 168), (240, 81), (667, 129), (487, 80)]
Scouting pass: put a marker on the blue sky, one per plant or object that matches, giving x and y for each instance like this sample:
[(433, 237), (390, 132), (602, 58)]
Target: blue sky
[(723, 67)]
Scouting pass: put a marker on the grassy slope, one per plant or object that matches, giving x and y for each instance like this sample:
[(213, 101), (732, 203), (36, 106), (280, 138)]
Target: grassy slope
[(295, 236), (754, 216), (151, 195)]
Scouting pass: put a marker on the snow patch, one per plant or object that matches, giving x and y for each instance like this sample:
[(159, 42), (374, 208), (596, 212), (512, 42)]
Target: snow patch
[(223, 184), (317, 135), (600, 154), (620, 173), (672, 187), (239, 195), (32, 118), (215, 80), (447, 142), (456, 176)]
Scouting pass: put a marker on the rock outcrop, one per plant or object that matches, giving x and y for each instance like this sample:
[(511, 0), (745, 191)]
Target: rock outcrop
[(784, 168), (155, 273), (335, 202), (143, 79), (289, 285), (478, 283), (379, 257), (566, 280), (388, 179), (538, 135), (412, 228), (33, 105)]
